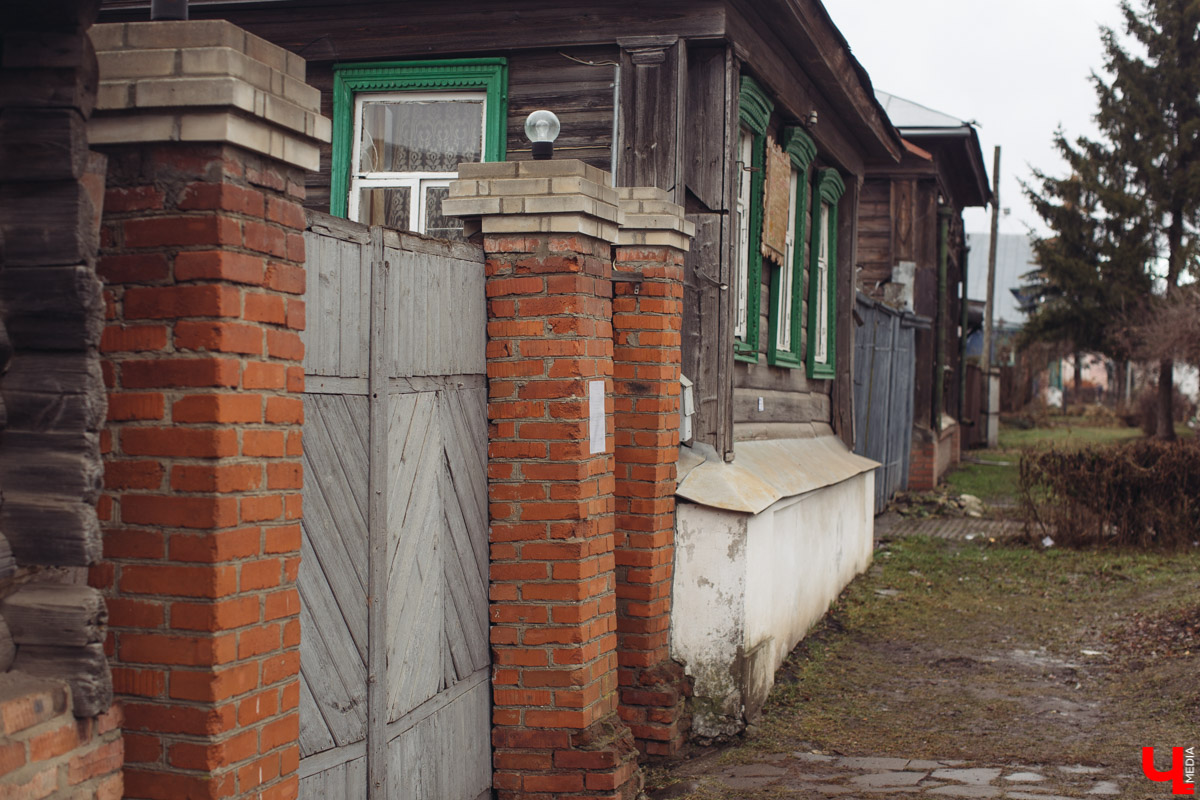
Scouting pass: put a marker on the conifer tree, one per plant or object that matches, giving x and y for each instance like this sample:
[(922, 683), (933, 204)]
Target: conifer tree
[(1149, 113), (1091, 276), (1129, 212)]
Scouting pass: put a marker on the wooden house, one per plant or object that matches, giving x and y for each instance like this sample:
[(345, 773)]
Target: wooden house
[(913, 256), (753, 116)]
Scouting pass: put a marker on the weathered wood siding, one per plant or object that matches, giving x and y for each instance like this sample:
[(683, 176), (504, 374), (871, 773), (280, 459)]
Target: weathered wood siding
[(898, 221), (875, 237), (393, 580), (653, 94), (707, 348)]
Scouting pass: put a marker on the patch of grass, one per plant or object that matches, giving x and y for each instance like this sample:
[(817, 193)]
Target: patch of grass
[(989, 482), (1070, 435)]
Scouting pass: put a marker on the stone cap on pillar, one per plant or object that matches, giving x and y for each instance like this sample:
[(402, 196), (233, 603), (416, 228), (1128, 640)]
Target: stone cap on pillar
[(205, 81), (565, 197), (649, 218)]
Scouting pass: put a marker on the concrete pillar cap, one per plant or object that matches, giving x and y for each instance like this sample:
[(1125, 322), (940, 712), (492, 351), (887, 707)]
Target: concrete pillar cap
[(556, 197), (205, 81), (648, 218)]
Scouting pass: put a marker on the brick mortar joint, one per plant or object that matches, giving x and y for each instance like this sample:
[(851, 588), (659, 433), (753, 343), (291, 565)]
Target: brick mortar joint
[(32, 768)]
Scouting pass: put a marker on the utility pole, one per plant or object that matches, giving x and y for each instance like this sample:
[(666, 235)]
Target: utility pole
[(992, 388)]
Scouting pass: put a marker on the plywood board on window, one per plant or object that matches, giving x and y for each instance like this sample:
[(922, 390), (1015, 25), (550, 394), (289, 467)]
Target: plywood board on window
[(775, 202)]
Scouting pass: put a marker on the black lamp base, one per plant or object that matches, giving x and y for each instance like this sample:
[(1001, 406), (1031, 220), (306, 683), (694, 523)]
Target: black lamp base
[(543, 150)]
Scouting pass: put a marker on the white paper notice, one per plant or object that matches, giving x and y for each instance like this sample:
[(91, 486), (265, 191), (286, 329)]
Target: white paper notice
[(596, 426)]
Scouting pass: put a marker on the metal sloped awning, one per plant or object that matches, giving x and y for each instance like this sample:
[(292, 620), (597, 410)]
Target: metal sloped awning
[(764, 472)]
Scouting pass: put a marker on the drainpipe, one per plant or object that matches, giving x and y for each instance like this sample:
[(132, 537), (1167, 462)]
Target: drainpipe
[(616, 126), (943, 312), (965, 323)]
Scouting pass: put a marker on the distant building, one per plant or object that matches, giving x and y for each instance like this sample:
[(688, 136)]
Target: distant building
[(1014, 259), (912, 257)]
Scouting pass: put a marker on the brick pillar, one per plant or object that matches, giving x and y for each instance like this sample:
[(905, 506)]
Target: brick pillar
[(922, 465), (548, 228), (647, 319), (202, 252)]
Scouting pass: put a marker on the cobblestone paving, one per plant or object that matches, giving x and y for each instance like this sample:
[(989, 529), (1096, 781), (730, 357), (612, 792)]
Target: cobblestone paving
[(813, 776)]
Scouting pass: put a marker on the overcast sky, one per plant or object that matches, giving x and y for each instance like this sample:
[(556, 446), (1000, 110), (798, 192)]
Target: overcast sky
[(1019, 68)]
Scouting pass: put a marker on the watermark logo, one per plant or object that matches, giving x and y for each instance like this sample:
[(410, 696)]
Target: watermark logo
[(1182, 774)]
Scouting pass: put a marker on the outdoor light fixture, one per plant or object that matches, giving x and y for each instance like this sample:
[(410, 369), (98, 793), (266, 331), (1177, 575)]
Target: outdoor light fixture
[(812, 118), (542, 129)]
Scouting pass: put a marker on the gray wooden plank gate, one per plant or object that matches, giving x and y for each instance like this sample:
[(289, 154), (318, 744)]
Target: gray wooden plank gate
[(884, 375), (395, 700)]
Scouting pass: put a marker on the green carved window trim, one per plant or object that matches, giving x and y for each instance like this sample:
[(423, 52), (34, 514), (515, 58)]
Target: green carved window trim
[(802, 151), (489, 75), (754, 112), (829, 189)]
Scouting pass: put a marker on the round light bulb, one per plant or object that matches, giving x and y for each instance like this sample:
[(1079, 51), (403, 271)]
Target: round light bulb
[(542, 126)]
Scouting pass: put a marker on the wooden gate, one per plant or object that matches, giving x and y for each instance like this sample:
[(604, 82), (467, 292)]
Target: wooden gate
[(394, 659), (884, 374)]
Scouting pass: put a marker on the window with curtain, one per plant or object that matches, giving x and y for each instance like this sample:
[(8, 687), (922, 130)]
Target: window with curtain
[(787, 285), (754, 111), (822, 297), (401, 129), (407, 148)]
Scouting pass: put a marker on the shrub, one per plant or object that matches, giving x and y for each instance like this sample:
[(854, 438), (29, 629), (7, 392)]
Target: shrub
[(1142, 494)]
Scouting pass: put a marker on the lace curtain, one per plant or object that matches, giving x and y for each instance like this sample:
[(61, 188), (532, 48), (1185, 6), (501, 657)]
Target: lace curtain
[(420, 136)]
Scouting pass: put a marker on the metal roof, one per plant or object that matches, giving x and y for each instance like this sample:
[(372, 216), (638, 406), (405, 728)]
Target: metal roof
[(953, 142), (1014, 259), (907, 115)]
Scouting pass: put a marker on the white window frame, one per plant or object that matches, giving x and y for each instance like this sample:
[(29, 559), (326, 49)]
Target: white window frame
[(416, 182), (821, 352), (787, 271), (745, 161)]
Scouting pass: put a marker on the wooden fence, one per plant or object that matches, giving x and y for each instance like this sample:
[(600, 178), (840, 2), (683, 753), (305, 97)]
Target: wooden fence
[(884, 375), (394, 658)]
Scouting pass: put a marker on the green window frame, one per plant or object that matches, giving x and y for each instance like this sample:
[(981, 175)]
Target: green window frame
[(802, 152), (828, 192), (754, 114), (488, 75)]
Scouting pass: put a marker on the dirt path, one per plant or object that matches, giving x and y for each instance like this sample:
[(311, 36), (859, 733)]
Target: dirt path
[(978, 668)]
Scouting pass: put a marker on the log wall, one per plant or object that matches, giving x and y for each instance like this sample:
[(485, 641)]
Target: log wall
[(52, 400)]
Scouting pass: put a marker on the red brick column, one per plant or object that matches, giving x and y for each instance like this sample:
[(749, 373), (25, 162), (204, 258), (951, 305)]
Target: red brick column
[(922, 464), (556, 731), (203, 261), (647, 318), (202, 252)]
